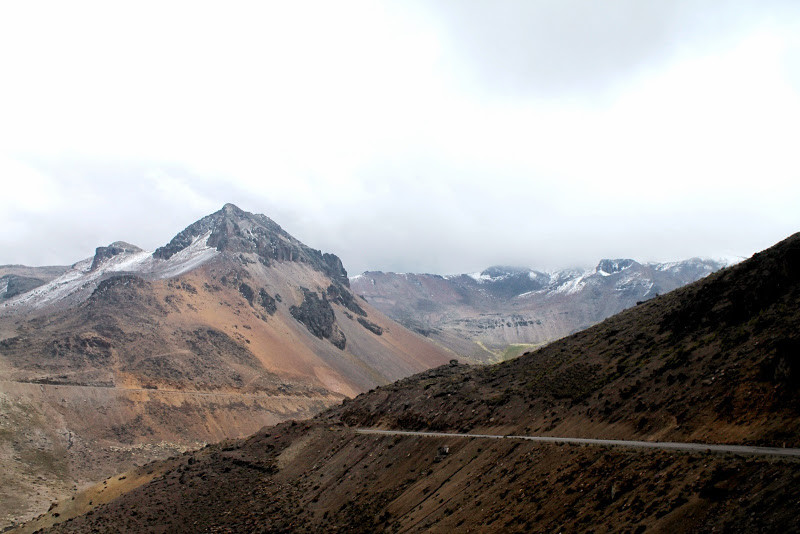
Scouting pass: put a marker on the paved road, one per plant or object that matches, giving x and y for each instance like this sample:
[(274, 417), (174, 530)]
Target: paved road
[(663, 445)]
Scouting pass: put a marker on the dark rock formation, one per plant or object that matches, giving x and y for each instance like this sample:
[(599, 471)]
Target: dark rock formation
[(372, 327), (247, 292), (317, 315), (343, 296), (117, 284), (267, 302), (118, 247)]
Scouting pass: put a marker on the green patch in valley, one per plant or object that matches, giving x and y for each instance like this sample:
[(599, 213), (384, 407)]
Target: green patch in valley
[(518, 349)]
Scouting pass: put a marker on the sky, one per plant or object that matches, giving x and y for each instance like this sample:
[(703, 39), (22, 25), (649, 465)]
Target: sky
[(416, 136)]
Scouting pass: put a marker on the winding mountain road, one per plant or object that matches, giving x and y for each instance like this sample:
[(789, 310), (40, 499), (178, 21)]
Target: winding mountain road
[(662, 445)]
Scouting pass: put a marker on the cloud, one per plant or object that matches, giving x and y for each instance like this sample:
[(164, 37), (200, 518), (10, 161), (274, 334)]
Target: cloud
[(575, 48), (436, 136)]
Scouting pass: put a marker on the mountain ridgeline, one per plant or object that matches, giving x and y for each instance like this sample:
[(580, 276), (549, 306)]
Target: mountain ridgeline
[(236, 231), (714, 362), (480, 315)]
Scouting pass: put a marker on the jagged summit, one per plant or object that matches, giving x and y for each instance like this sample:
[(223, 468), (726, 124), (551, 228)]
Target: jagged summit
[(234, 230)]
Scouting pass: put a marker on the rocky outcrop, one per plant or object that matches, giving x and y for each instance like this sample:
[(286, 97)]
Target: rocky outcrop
[(340, 295), (101, 254), (247, 292), (316, 314), (267, 301), (372, 327)]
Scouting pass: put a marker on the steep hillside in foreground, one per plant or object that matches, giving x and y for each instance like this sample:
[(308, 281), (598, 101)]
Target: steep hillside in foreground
[(131, 356), (499, 313), (716, 361)]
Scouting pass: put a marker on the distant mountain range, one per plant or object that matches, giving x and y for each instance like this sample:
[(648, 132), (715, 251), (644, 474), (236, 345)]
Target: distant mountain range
[(131, 355), (502, 311)]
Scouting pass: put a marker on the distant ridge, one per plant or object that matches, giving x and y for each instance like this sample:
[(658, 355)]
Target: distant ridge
[(480, 314)]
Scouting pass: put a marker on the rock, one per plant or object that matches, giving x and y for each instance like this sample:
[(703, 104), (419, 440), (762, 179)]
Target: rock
[(114, 249), (317, 315), (372, 327), (341, 295), (267, 302), (247, 292)]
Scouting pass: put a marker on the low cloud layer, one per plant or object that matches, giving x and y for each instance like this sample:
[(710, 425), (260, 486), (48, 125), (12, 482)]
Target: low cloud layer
[(421, 136)]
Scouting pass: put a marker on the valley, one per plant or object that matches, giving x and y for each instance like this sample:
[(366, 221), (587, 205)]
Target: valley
[(711, 363)]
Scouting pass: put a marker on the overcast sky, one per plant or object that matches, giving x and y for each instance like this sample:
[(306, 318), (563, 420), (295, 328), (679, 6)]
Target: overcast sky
[(437, 136)]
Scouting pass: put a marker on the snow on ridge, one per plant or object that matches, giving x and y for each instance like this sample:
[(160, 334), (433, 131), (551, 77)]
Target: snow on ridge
[(185, 260), (56, 289), (573, 285), (710, 264), (480, 277), (80, 280)]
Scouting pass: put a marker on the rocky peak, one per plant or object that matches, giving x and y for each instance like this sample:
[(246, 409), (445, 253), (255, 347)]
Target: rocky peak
[(114, 249), (236, 231)]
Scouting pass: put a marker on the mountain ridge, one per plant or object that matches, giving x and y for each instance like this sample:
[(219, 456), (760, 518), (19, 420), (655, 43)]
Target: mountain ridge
[(480, 314)]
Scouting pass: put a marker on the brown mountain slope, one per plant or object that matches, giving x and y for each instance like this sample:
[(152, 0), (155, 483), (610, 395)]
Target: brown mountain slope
[(715, 361), (107, 368)]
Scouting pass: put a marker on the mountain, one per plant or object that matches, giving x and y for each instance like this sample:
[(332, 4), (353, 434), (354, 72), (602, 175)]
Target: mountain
[(713, 362), (18, 279), (497, 313), (133, 355)]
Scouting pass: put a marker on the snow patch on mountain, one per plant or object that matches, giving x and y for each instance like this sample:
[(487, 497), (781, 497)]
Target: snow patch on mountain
[(573, 285), (480, 277), (187, 259), (80, 280)]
